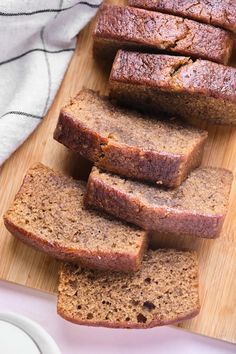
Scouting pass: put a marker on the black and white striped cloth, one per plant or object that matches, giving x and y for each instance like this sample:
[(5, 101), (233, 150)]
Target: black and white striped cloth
[(37, 40)]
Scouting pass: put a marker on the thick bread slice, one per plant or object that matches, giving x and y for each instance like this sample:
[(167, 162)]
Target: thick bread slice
[(163, 291), (198, 207), (127, 143), (215, 12), (48, 214), (175, 85), (123, 27)]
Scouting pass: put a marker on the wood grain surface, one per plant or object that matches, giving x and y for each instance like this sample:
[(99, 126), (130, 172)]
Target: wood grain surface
[(217, 258)]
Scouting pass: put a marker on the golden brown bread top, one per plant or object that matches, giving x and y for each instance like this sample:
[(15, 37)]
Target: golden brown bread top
[(126, 26), (175, 74), (216, 12)]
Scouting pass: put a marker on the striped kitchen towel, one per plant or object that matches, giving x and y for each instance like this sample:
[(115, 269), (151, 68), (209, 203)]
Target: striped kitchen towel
[(37, 41)]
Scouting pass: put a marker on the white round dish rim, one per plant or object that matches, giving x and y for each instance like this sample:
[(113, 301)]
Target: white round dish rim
[(41, 338)]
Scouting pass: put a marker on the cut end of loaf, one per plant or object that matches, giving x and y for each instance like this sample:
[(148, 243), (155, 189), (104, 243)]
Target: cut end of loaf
[(163, 291)]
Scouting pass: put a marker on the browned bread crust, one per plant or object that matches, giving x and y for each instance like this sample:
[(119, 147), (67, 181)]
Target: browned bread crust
[(156, 150), (215, 12), (176, 85), (197, 208), (104, 323), (48, 214), (164, 291), (122, 27)]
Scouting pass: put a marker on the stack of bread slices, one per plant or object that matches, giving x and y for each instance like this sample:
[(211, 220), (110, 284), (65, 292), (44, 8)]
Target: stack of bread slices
[(147, 173)]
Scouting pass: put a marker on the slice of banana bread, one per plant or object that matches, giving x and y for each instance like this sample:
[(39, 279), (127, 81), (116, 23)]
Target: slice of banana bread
[(163, 291), (123, 27), (216, 12), (127, 143), (197, 208), (176, 85), (48, 214)]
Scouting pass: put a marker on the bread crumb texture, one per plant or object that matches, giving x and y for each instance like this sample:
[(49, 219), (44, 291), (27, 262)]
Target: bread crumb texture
[(50, 207), (164, 291)]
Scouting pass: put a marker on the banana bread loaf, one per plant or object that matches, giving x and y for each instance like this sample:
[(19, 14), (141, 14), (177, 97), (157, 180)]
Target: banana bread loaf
[(48, 213), (163, 291), (198, 207), (158, 151), (216, 12), (122, 27), (177, 85)]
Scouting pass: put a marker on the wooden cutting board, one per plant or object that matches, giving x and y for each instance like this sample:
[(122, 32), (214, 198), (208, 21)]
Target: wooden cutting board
[(22, 265)]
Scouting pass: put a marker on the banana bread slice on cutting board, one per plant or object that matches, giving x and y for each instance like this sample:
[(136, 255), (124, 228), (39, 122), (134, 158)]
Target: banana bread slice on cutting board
[(123, 27), (198, 207), (177, 85), (48, 214), (128, 143), (215, 12), (163, 291)]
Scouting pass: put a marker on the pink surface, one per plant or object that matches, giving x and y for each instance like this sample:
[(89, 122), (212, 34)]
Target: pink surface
[(74, 339)]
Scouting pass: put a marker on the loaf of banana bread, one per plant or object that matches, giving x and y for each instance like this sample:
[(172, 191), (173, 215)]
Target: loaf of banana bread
[(128, 143), (198, 207), (163, 291), (123, 27), (216, 12), (48, 213), (177, 85)]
